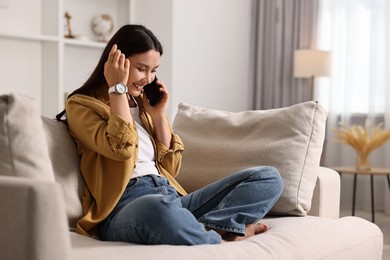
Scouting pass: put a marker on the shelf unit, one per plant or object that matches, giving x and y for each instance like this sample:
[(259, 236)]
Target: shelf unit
[(37, 60)]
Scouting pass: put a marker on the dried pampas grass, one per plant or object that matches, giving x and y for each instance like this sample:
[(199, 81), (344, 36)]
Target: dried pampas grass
[(363, 139)]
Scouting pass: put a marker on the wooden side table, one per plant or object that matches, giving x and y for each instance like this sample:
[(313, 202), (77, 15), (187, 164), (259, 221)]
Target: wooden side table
[(371, 172)]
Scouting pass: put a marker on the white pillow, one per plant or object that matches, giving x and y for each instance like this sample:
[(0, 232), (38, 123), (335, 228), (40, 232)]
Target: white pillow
[(23, 147), (66, 166), (218, 143)]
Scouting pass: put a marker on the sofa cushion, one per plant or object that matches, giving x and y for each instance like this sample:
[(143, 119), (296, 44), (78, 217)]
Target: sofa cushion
[(66, 165), (218, 143), (23, 148), (288, 238)]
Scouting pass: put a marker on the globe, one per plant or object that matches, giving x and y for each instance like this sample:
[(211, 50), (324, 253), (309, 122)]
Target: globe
[(102, 26)]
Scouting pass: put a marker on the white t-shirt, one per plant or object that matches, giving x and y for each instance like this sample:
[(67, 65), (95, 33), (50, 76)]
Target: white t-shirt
[(146, 157)]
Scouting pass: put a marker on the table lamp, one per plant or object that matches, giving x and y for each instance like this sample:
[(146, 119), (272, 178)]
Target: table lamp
[(310, 63)]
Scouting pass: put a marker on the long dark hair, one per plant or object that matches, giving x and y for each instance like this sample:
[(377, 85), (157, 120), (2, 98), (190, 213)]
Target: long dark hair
[(131, 39)]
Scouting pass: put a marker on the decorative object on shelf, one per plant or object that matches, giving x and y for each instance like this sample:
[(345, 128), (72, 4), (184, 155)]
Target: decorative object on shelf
[(102, 26), (363, 140), (68, 29)]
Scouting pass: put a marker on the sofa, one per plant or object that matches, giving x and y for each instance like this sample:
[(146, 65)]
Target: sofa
[(41, 186)]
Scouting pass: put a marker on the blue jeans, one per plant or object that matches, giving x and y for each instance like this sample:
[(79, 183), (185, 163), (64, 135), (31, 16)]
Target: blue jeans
[(151, 212)]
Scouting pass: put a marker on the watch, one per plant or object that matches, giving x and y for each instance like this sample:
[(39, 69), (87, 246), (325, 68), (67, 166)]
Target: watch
[(119, 88)]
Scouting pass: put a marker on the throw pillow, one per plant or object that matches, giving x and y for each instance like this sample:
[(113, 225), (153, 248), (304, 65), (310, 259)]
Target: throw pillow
[(66, 165), (23, 147), (218, 143)]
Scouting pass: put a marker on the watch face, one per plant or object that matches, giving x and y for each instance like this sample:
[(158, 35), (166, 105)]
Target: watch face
[(121, 88)]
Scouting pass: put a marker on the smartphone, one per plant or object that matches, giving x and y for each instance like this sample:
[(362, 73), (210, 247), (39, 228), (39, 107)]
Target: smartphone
[(153, 93)]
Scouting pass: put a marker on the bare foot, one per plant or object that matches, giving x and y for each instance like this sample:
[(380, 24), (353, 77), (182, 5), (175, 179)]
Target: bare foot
[(250, 230)]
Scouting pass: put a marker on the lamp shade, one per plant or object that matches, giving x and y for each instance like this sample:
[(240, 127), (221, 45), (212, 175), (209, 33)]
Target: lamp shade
[(309, 63)]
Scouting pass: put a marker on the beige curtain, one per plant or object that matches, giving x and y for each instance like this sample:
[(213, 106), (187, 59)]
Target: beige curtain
[(281, 26)]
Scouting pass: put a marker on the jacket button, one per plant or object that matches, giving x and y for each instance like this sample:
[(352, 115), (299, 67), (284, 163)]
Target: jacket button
[(118, 146)]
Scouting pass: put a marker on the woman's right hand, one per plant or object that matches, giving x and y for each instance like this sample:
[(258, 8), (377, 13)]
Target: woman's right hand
[(116, 68)]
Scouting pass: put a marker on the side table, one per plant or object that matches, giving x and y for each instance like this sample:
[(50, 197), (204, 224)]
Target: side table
[(371, 172)]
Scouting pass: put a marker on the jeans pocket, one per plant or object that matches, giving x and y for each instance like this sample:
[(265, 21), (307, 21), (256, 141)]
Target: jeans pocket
[(132, 185)]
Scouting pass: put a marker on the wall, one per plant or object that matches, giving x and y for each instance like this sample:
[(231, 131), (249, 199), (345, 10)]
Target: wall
[(211, 53), (207, 50), (157, 15)]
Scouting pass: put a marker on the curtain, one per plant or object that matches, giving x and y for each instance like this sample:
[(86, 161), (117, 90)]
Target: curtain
[(281, 26), (357, 32)]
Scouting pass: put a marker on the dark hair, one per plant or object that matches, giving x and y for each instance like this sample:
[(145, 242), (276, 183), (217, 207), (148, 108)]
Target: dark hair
[(131, 39)]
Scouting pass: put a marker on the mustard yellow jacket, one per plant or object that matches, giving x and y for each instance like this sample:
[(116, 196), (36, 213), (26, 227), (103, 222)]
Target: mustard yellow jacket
[(108, 148)]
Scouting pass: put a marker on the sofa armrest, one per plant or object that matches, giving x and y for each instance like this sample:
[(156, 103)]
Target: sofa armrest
[(33, 220), (326, 195)]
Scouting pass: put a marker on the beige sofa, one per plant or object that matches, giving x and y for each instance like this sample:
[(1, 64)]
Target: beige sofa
[(40, 187)]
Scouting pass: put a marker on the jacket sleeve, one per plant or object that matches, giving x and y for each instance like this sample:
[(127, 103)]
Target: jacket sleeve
[(170, 158), (94, 127)]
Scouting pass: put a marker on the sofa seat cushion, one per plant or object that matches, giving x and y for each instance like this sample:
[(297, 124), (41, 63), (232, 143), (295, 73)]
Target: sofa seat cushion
[(23, 148), (322, 238), (288, 238), (218, 143)]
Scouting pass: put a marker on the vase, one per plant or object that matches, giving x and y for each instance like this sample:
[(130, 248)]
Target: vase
[(362, 162)]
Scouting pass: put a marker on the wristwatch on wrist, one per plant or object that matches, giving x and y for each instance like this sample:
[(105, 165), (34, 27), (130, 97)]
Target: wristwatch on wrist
[(119, 88)]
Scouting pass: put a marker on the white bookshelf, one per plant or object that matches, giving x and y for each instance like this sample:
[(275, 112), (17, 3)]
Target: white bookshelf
[(36, 58)]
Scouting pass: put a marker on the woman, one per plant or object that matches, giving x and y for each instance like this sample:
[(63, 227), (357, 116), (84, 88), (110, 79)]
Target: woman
[(130, 156)]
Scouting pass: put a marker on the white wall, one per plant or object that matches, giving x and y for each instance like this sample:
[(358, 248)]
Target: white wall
[(211, 53), (207, 56), (157, 16)]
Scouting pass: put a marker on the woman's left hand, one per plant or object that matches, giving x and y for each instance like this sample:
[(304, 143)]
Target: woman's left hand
[(159, 109), (159, 118)]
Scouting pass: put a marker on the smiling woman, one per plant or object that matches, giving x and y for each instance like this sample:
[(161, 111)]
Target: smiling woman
[(130, 157)]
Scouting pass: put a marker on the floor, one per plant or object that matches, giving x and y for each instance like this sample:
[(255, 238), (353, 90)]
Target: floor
[(383, 222)]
